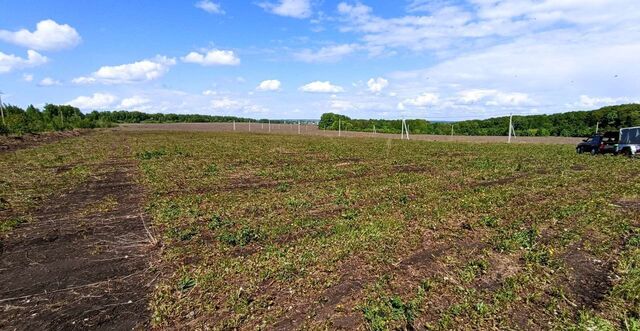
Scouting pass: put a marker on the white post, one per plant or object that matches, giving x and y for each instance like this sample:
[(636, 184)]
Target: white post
[(262, 126), (339, 128), (510, 127), (299, 127), (407, 129), (597, 127), (374, 129), (452, 130), (234, 125), (249, 125), (269, 126)]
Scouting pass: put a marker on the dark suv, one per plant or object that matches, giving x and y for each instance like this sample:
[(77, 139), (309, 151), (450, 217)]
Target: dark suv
[(599, 144)]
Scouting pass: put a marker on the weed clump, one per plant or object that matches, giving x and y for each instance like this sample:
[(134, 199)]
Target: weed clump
[(150, 155), (242, 237), (186, 283), (10, 224)]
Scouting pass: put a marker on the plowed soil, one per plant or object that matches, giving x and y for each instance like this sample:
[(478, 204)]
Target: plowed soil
[(83, 262)]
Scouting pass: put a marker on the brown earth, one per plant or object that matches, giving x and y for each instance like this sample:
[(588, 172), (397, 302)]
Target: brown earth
[(83, 262), (313, 130), (13, 143)]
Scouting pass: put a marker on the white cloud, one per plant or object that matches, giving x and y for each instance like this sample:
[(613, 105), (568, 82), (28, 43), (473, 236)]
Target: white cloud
[(447, 26), (135, 102), (212, 57), (289, 8), (326, 54), (494, 98), (421, 101), (596, 102), (48, 81), (95, 102), (209, 92), (227, 104), (321, 87), (341, 105), (27, 77), (10, 62), (269, 85), (210, 7), (376, 85), (48, 36), (140, 71)]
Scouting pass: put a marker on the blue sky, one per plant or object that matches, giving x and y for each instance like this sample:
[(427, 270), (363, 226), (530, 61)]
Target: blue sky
[(436, 59)]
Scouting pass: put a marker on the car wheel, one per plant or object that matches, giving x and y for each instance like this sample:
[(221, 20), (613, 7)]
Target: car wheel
[(594, 151), (627, 152), (579, 150)]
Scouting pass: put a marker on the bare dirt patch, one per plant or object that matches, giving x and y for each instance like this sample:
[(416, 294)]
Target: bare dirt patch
[(587, 280), (629, 204), (68, 269), (14, 143)]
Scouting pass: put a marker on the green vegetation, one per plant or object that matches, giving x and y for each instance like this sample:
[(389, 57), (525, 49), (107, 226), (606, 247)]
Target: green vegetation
[(258, 230), (571, 124), (63, 117), (51, 118)]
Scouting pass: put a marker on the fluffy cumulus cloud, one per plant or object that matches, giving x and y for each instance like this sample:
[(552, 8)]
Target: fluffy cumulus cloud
[(97, 101), (141, 71), (10, 62), (135, 102), (289, 8), (48, 81), (212, 58), (269, 85), (321, 87), (376, 85), (421, 101), (48, 36), (326, 54), (210, 7), (27, 77)]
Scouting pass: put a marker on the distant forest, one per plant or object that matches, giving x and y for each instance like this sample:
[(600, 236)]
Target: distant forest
[(63, 117), (571, 124)]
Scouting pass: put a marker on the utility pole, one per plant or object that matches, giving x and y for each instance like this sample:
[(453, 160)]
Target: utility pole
[(405, 129), (512, 130), (2, 109)]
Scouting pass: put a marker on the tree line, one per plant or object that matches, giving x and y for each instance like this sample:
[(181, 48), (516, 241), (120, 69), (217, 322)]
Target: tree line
[(570, 124), (64, 117)]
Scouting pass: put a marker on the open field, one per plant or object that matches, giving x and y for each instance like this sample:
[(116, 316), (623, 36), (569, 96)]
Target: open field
[(314, 131), (287, 231)]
